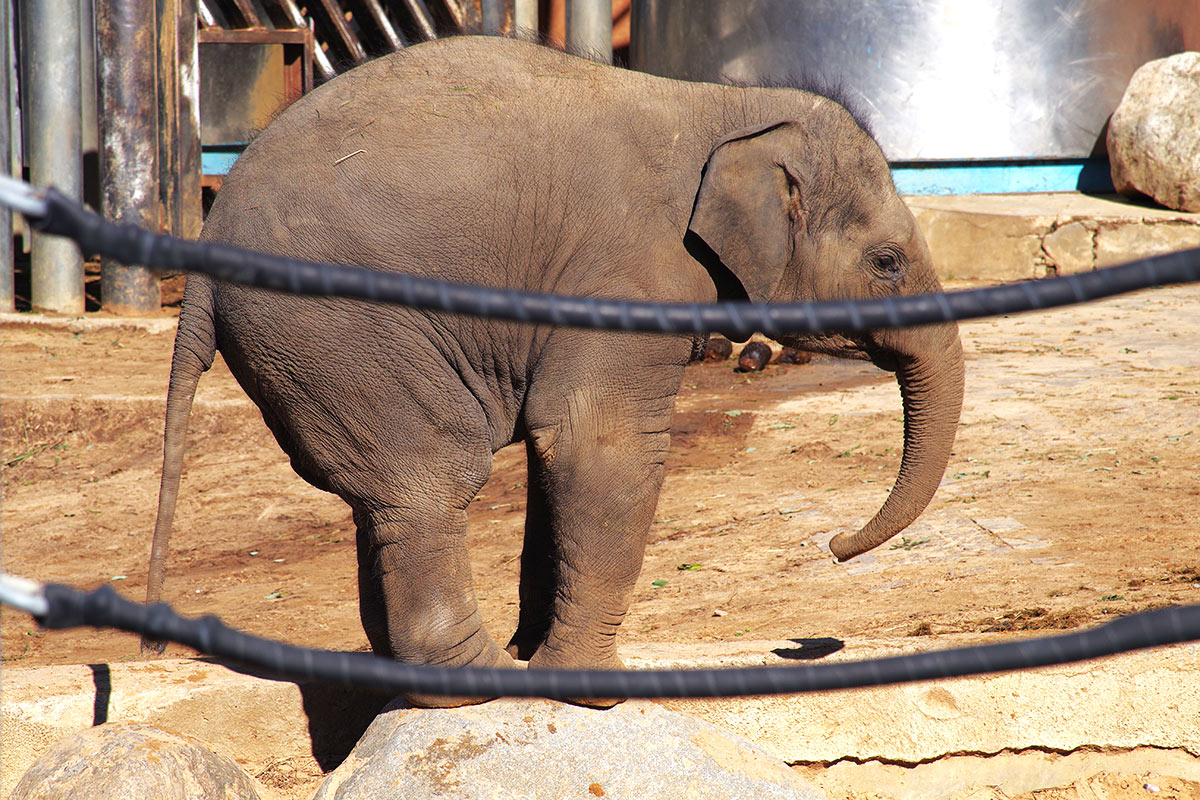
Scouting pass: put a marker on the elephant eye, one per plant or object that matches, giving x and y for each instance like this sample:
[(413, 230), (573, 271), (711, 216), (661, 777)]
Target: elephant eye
[(888, 263)]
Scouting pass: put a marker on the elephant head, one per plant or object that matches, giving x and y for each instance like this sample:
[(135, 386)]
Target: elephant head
[(808, 211)]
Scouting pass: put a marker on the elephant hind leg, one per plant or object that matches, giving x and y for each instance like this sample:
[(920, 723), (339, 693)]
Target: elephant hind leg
[(417, 600)]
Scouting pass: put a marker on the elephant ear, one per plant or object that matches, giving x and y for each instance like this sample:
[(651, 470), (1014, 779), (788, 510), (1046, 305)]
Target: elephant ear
[(746, 211)]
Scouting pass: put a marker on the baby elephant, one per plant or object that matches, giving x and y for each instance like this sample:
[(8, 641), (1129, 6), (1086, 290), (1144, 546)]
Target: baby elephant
[(499, 162)]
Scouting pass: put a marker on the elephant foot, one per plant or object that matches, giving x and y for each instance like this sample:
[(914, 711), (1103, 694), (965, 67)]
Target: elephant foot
[(492, 657), (545, 658)]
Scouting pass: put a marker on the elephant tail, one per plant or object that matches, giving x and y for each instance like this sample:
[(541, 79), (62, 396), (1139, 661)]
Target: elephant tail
[(195, 347)]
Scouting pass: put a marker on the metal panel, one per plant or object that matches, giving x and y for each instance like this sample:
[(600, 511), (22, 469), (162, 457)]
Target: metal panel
[(938, 79), (247, 77)]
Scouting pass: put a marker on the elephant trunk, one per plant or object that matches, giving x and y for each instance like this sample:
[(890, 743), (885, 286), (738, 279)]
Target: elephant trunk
[(931, 386)]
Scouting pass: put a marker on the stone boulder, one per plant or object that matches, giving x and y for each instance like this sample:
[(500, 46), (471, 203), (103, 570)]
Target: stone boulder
[(538, 749), (1154, 136), (130, 761)]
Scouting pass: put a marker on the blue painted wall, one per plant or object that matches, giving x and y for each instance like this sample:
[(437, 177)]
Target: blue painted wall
[(934, 177)]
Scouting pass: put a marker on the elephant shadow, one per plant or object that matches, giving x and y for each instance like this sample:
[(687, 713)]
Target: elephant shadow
[(810, 649), (337, 715)]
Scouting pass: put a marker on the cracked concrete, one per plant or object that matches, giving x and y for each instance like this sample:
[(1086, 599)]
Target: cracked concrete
[(1060, 722), (1011, 772), (1016, 237)]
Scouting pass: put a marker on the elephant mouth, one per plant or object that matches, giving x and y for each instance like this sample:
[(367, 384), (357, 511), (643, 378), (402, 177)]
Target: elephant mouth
[(841, 345)]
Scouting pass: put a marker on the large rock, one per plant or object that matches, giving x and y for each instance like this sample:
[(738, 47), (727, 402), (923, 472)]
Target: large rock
[(1154, 136), (130, 761), (535, 749)]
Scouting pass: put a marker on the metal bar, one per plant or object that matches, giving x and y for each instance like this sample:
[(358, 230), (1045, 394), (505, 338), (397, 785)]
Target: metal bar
[(129, 131), (525, 19), (420, 14), (494, 13), (51, 44), (348, 38), (320, 59), (589, 29), (7, 272), (455, 8), (393, 37), (211, 15), (248, 13), (263, 15)]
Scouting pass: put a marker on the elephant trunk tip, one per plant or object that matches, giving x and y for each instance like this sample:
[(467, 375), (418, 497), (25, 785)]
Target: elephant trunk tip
[(845, 546)]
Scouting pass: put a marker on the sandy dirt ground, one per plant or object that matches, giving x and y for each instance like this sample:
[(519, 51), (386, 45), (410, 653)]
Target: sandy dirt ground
[(1073, 493), (1072, 496)]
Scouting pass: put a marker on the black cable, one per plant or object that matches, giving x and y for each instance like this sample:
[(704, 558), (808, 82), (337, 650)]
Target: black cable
[(69, 608), (132, 245)]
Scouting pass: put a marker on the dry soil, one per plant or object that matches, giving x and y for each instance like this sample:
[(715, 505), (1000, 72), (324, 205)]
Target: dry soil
[(1072, 496)]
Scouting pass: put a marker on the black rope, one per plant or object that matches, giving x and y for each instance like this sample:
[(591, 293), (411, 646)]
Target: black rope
[(132, 245), (70, 608)]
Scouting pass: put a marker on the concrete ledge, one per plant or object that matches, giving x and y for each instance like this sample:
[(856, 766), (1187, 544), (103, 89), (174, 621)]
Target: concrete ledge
[(1140, 700), (166, 323), (1016, 237)]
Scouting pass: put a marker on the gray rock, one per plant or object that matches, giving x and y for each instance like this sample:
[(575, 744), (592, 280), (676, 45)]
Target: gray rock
[(129, 761), (1154, 136), (538, 749)]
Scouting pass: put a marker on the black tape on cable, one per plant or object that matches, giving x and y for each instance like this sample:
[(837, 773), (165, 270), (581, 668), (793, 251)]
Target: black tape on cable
[(104, 608), (132, 245)]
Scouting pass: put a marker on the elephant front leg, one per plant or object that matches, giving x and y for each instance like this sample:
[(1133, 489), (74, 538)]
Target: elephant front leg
[(599, 479), (417, 600)]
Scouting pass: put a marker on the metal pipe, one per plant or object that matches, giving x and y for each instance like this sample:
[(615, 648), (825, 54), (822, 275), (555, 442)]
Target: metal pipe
[(525, 19), (88, 112), (7, 274), (493, 12), (589, 29), (128, 142), (422, 18), (51, 44)]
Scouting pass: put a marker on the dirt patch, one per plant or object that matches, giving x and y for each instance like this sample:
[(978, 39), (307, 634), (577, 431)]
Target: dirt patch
[(1072, 496)]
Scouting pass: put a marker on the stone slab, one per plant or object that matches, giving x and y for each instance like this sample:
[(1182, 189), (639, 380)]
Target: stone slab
[(1144, 699), (543, 750), (1022, 236)]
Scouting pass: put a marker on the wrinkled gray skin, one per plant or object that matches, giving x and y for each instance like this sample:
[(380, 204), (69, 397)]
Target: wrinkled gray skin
[(499, 162)]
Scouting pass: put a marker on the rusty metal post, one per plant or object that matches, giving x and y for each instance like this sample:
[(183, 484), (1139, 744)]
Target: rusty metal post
[(7, 273), (190, 170), (126, 74), (51, 45), (589, 29), (179, 118)]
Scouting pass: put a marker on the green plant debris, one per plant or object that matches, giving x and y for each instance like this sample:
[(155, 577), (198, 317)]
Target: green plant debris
[(908, 544), (659, 583), (27, 454), (683, 567)]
